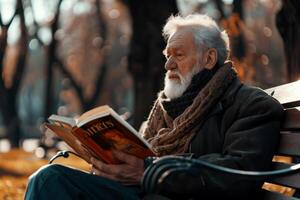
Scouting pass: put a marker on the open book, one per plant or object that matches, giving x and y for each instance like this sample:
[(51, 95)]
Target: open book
[(97, 132)]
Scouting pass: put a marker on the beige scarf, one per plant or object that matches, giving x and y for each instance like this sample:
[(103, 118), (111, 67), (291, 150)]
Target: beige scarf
[(168, 136)]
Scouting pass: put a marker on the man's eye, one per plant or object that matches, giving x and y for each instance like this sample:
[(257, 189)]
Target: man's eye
[(179, 55)]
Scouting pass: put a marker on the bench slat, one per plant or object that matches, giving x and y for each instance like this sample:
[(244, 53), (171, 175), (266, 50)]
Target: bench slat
[(289, 180), (289, 144), (288, 94), (277, 196), (292, 119)]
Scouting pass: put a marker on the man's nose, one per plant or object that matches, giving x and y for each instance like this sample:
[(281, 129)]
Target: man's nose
[(170, 64)]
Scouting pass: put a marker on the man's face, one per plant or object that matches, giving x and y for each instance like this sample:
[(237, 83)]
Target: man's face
[(181, 53), (183, 62)]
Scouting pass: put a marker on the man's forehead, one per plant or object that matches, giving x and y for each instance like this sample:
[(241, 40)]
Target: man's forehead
[(174, 46), (180, 38)]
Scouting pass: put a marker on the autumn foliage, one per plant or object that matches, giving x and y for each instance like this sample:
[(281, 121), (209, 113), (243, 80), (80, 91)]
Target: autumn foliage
[(16, 166)]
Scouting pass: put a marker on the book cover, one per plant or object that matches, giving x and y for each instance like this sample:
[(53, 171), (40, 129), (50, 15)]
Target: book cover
[(97, 132)]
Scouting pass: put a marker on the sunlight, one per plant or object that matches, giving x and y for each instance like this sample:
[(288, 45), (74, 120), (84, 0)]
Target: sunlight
[(7, 8), (228, 1), (67, 4), (45, 34), (4, 145), (82, 8), (40, 10), (13, 32), (29, 145)]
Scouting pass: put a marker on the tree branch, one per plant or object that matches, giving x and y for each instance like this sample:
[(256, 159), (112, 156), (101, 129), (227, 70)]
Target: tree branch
[(21, 63), (99, 85), (49, 64), (103, 68), (3, 45), (3, 41), (102, 27), (238, 8), (1, 22), (37, 37), (36, 25), (13, 17), (219, 5), (68, 74), (55, 22)]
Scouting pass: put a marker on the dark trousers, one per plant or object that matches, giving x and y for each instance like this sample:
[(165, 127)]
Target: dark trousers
[(60, 182)]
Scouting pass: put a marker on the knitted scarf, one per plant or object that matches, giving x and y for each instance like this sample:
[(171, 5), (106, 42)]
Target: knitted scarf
[(176, 106), (173, 136)]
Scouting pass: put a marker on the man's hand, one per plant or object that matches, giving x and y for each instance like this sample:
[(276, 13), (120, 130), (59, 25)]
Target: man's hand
[(130, 172)]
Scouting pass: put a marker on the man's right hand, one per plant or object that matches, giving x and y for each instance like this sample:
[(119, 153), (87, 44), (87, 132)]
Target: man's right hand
[(130, 172)]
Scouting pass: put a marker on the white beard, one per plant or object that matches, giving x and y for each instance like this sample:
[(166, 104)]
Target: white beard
[(174, 89)]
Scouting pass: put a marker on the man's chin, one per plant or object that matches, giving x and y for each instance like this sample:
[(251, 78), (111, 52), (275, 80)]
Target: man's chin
[(173, 94), (174, 90)]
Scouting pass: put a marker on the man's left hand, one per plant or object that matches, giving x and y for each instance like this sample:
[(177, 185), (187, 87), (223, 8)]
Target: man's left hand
[(130, 172)]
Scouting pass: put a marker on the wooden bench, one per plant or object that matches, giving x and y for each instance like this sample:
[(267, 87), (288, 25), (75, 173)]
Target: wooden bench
[(289, 96), (289, 146)]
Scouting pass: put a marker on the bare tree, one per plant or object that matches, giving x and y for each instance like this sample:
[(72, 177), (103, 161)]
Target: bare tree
[(232, 20), (8, 100), (146, 62), (54, 61), (288, 24), (50, 50), (51, 56), (88, 103)]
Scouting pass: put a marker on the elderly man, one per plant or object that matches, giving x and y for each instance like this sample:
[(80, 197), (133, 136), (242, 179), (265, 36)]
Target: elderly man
[(204, 110)]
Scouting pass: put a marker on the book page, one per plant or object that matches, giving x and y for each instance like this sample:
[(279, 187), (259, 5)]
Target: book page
[(62, 121), (98, 111)]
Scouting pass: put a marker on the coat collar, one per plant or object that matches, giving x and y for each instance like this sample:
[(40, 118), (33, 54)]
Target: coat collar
[(227, 99)]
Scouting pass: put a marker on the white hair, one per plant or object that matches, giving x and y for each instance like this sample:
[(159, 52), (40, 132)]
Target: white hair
[(205, 30)]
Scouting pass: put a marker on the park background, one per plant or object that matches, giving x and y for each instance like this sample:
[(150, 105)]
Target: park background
[(68, 56)]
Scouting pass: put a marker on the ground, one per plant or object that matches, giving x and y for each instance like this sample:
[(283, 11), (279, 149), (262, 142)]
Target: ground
[(17, 165)]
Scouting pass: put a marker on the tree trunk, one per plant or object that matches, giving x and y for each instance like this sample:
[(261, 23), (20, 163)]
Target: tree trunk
[(89, 103), (49, 65), (288, 24), (8, 100), (238, 45), (146, 62), (11, 118)]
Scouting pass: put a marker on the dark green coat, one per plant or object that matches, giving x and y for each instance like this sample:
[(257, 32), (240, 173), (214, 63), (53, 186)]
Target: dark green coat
[(241, 132)]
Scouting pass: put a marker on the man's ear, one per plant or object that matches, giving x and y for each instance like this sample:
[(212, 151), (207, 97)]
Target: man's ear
[(211, 58)]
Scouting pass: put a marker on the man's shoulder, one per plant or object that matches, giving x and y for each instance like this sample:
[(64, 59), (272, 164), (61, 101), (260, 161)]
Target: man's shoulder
[(240, 92), (252, 92), (248, 91), (251, 96)]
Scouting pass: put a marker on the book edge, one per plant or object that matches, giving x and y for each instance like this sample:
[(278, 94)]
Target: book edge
[(62, 119)]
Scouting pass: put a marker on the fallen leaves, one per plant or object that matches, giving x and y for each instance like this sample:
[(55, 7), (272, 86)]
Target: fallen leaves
[(17, 165)]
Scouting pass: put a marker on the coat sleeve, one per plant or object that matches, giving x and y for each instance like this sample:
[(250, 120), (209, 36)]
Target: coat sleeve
[(249, 144)]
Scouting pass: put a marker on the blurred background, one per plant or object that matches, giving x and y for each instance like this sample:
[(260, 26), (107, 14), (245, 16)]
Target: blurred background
[(68, 56)]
